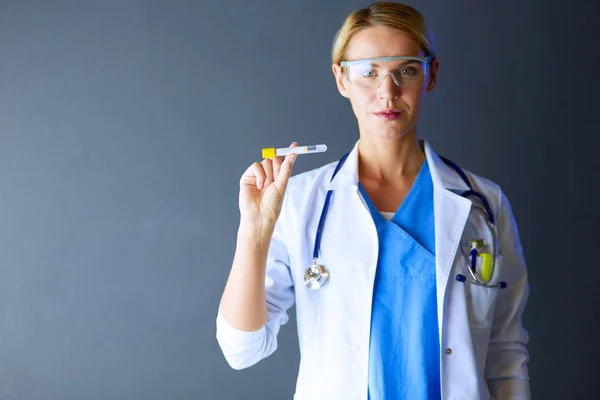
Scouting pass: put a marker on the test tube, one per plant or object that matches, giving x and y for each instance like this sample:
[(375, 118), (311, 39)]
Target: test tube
[(272, 152)]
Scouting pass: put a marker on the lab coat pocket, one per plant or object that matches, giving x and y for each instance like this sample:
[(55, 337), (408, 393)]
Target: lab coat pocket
[(481, 300)]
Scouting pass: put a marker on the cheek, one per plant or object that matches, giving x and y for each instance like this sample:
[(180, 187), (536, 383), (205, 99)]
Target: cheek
[(361, 103), (414, 99)]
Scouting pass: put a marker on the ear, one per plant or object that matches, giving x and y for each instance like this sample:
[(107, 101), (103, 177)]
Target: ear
[(433, 71), (340, 80)]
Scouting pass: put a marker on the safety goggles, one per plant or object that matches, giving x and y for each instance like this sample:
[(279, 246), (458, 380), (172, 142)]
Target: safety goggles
[(405, 71)]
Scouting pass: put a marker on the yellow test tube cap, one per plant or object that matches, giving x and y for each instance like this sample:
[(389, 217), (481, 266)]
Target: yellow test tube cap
[(268, 152)]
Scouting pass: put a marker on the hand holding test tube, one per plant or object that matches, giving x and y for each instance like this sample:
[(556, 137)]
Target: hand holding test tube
[(263, 186), (262, 189)]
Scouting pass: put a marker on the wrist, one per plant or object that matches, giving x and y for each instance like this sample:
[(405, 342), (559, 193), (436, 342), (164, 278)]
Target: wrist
[(255, 234)]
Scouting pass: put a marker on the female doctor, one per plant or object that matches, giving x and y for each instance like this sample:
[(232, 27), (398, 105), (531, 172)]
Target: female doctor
[(406, 271)]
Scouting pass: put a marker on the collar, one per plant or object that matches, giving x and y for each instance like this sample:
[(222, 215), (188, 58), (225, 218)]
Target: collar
[(442, 175)]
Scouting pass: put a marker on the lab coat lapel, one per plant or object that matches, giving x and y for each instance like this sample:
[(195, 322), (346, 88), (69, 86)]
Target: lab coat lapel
[(451, 212)]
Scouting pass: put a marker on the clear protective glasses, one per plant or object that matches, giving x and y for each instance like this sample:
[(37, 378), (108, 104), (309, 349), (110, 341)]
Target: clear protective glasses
[(405, 71)]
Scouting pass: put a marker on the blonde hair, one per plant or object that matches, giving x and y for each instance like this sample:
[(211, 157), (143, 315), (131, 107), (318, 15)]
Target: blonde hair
[(392, 15)]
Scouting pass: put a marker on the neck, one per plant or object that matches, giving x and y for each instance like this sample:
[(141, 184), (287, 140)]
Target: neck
[(389, 159)]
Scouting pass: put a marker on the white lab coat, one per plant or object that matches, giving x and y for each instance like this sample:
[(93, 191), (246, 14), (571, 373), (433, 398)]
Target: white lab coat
[(482, 340)]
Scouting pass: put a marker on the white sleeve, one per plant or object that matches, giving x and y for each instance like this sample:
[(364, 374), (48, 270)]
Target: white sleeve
[(242, 349), (506, 368)]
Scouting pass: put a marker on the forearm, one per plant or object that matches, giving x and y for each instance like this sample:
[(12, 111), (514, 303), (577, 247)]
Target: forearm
[(243, 304)]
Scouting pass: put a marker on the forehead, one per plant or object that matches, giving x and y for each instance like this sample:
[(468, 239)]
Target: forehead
[(380, 41)]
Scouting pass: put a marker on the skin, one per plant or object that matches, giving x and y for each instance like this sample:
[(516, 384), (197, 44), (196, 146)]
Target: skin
[(262, 189), (389, 160)]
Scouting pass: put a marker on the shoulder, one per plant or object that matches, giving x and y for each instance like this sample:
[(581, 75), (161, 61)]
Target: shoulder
[(484, 185), (493, 193), (315, 177), (307, 190), (447, 174)]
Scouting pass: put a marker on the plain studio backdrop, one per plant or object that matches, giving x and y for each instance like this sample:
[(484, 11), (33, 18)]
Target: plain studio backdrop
[(125, 127)]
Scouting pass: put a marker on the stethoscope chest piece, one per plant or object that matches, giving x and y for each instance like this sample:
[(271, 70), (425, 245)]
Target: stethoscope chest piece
[(316, 276)]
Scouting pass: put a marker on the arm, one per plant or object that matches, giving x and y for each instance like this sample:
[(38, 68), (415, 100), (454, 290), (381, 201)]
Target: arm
[(506, 369), (243, 344), (259, 289)]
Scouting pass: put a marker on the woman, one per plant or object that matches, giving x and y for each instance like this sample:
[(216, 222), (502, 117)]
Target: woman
[(401, 309)]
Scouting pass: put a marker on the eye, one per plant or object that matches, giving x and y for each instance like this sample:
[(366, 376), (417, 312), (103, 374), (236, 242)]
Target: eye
[(409, 71), (370, 73)]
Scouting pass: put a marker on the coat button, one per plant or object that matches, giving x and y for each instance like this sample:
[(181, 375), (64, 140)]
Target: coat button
[(356, 347), (448, 350)]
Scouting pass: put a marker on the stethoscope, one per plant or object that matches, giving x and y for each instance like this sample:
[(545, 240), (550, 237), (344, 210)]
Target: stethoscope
[(316, 276)]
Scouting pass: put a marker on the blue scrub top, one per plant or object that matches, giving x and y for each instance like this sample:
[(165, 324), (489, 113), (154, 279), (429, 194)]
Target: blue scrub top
[(404, 351)]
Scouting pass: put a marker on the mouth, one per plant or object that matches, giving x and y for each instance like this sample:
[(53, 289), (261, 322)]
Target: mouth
[(388, 115)]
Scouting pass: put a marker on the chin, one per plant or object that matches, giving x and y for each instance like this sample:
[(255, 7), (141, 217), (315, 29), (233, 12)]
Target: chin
[(391, 130), (386, 130), (389, 134)]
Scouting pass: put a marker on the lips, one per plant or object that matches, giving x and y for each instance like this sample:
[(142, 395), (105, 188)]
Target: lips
[(388, 115)]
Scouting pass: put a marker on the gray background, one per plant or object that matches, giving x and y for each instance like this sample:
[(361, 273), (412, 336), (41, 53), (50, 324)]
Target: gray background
[(124, 128)]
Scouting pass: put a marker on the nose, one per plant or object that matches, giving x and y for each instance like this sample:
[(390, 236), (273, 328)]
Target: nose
[(388, 88)]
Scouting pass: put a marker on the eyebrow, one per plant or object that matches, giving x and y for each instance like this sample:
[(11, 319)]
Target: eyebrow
[(402, 64)]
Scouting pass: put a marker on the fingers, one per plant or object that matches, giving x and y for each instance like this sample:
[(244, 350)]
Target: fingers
[(254, 175), (277, 161), (285, 171), (267, 165), (276, 170), (277, 166)]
